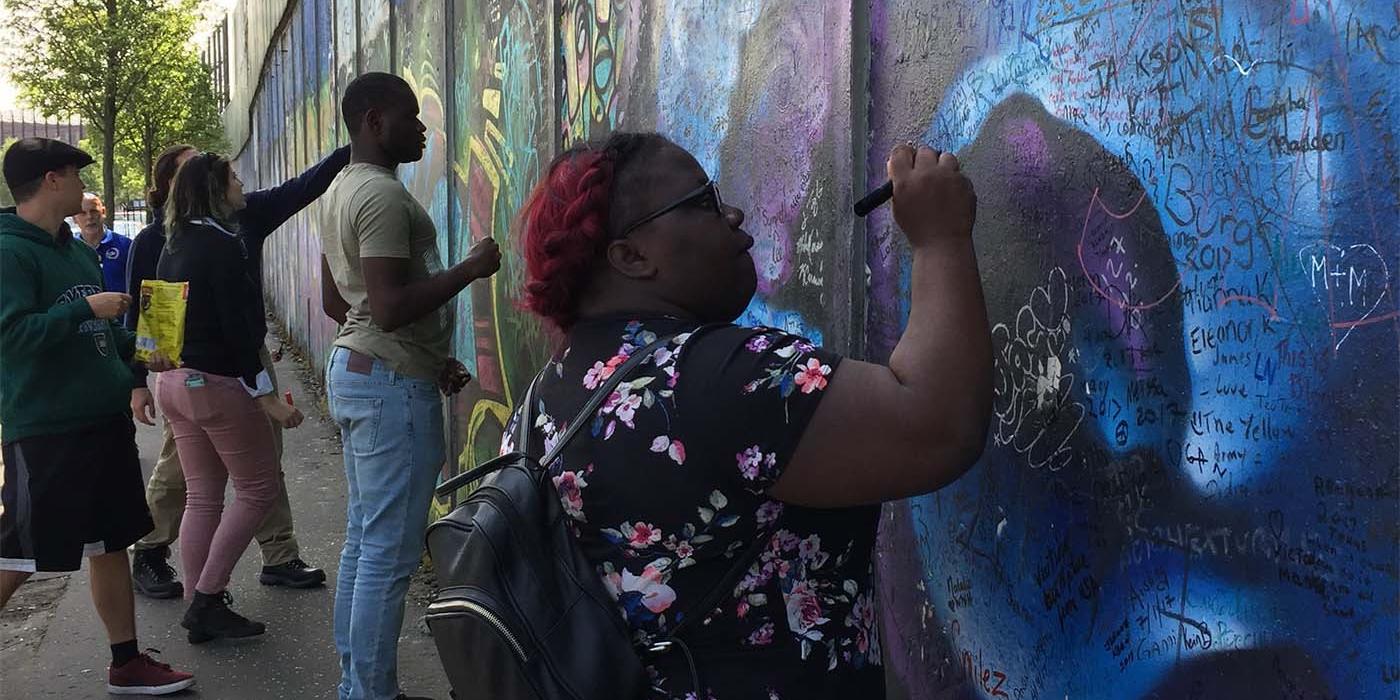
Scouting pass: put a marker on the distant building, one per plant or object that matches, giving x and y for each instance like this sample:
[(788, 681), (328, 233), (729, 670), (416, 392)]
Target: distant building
[(21, 124), (215, 56)]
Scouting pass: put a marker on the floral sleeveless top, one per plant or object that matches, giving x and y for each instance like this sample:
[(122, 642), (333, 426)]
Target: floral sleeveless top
[(666, 487)]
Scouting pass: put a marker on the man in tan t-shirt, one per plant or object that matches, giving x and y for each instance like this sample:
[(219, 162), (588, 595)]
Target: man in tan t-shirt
[(383, 281)]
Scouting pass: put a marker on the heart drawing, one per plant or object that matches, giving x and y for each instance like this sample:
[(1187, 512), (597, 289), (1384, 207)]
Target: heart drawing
[(1351, 282)]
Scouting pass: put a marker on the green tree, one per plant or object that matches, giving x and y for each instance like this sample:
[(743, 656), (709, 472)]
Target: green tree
[(6, 199), (176, 105), (93, 58), (128, 184)]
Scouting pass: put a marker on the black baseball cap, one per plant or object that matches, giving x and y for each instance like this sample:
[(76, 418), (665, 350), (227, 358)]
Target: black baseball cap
[(32, 158)]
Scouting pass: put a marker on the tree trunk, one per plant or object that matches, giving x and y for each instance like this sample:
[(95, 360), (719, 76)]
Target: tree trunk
[(109, 174), (148, 145), (146, 193), (109, 123)]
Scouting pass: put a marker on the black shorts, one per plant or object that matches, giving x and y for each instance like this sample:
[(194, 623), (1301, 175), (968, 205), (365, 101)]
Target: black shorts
[(71, 495)]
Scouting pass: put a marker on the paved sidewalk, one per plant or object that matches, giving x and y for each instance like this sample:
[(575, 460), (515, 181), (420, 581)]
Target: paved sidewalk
[(52, 644)]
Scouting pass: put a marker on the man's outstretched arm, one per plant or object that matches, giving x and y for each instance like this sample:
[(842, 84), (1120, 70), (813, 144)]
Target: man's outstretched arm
[(267, 209)]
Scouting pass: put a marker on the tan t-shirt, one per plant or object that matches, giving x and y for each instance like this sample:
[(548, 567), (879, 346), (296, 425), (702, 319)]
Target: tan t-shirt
[(369, 214)]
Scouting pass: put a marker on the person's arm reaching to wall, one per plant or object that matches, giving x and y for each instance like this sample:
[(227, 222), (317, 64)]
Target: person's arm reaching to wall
[(382, 224), (889, 432), (270, 208), (396, 301)]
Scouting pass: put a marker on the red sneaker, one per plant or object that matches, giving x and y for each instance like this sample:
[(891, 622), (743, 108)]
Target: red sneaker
[(146, 676)]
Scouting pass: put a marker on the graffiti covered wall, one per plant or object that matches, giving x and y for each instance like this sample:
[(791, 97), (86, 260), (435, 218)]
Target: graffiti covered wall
[(1188, 235), (1188, 219)]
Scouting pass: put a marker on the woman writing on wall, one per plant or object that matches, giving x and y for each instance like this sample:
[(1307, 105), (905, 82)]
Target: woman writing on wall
[(221, 399), (734, 435)]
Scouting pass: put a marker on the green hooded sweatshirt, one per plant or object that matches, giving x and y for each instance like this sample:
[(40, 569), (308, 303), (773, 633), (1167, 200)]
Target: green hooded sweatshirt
[(61, 369)]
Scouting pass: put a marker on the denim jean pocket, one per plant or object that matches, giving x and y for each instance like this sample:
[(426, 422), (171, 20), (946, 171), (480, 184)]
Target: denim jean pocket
[(359, 418)]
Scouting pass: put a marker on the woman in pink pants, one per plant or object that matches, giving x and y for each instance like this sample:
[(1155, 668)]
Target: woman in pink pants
[(220, 400)]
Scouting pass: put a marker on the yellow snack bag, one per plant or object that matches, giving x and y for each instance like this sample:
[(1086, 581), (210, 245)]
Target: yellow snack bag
[(160, 326)]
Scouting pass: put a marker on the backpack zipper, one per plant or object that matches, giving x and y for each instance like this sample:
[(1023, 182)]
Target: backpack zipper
[(457, 606)]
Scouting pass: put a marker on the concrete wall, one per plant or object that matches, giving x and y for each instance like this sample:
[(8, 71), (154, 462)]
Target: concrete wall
[(1188, 235), (253, 30)]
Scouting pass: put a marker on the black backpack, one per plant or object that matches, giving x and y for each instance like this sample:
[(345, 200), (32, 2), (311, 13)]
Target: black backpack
[(519, 611)]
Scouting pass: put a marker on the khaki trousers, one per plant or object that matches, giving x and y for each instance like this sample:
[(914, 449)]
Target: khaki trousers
[(165, 496)]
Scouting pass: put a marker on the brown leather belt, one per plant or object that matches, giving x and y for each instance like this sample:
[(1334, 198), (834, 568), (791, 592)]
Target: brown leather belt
[(359, 363)]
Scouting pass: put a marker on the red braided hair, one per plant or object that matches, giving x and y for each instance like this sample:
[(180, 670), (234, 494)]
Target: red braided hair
[(565, 223)]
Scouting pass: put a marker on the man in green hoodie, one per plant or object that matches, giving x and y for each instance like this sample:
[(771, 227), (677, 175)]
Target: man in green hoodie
[(71, 484)]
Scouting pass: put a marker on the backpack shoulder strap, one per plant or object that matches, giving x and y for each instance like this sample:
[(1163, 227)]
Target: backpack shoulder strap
[(522, 444), (524, 428)]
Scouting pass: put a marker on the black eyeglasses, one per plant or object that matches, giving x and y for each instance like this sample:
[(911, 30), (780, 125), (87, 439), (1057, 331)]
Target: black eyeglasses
[(709, 189)]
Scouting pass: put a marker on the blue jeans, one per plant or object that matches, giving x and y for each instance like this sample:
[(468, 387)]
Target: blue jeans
[(391, 429)]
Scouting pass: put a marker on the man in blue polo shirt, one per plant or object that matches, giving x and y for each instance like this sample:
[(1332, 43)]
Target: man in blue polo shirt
[(110, 246)]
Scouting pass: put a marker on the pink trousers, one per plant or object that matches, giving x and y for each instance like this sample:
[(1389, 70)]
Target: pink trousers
[(220, 433)]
